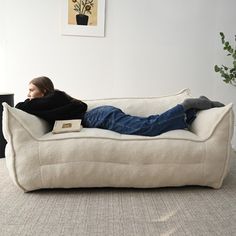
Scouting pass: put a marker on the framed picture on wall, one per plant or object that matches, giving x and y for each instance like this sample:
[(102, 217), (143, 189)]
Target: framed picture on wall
[(83, 17)]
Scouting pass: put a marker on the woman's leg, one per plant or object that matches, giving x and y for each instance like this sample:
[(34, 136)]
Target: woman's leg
[(191, 114), (112, 118)]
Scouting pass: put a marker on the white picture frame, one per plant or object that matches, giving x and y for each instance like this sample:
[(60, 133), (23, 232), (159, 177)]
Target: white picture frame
[(96, 12)]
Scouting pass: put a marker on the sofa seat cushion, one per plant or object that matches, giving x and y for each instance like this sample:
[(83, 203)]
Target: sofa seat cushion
[(110, 159), (97, 145)]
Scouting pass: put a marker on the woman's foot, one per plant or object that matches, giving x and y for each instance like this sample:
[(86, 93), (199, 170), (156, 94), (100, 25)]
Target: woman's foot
[(201, 103), (213, 103)]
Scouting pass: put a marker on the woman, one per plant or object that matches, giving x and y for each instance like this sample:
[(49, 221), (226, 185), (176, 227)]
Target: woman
[(51, 104)]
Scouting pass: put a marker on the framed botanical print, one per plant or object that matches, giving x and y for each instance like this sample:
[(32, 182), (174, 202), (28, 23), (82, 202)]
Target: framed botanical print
[(83, 17)]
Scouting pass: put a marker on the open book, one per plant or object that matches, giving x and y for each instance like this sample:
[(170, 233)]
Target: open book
[(62, 126)]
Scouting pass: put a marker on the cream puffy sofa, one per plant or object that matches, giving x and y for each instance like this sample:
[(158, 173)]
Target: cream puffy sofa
[(37, 159)]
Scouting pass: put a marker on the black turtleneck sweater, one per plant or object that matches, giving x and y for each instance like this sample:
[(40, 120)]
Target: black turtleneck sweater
[(54, 106)]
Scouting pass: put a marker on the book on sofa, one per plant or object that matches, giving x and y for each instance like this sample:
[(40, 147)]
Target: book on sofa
[(62, 126)]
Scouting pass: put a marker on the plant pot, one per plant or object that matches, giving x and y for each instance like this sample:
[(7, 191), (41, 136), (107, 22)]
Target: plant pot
[(82, 19)]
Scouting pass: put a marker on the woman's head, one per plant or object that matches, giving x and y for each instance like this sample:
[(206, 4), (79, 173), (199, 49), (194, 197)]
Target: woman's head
[(39, 87)]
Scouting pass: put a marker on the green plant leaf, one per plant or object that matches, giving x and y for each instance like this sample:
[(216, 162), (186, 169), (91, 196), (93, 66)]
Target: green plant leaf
[(222, 37), (225, 67), (228, 74), (234, 55), (217, 69)]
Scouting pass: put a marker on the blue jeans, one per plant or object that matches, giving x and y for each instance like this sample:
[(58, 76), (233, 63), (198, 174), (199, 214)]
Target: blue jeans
[(112, 118)]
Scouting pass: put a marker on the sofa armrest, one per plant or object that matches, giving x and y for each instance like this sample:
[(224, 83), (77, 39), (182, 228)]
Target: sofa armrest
[(207, 121), (12, 117)]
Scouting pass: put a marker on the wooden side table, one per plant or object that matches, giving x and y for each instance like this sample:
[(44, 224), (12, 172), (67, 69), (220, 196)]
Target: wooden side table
[(9, 99)]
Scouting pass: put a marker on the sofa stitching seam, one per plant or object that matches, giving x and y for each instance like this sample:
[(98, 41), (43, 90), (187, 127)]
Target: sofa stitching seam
[(227, 152)]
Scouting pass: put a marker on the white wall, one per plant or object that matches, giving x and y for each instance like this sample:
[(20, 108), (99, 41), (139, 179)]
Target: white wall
[(151, 48), (2, 46)]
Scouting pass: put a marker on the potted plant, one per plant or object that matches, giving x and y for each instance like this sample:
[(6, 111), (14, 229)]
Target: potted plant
[(83, 7), (228, 73)]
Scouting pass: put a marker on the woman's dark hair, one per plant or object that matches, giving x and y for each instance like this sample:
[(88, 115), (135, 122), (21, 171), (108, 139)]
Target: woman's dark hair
[(44, 84)]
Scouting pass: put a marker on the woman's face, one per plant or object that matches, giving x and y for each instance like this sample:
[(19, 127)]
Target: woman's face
[(34, 92)]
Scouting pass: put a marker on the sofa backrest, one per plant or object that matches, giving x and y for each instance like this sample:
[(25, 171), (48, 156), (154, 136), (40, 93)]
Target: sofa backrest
[(142, 106)]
